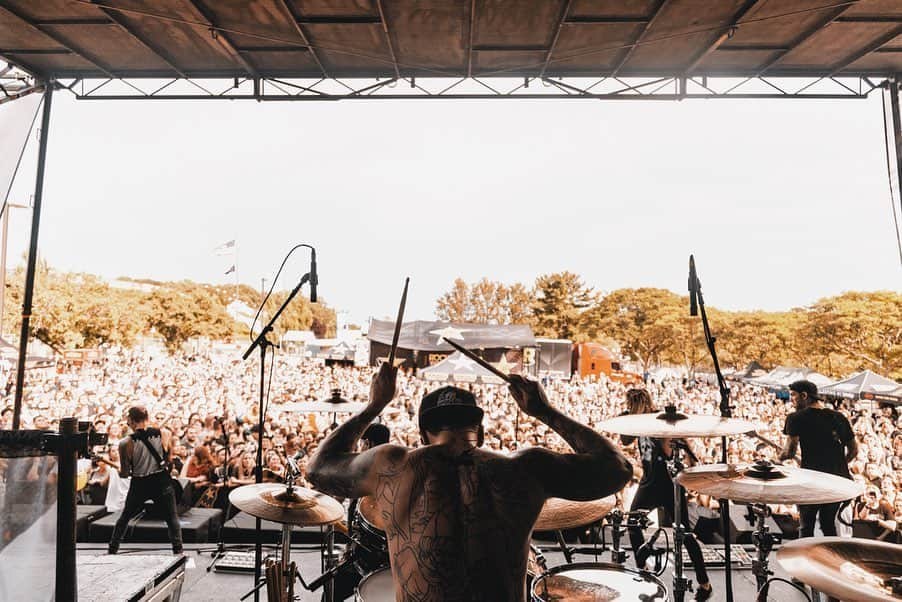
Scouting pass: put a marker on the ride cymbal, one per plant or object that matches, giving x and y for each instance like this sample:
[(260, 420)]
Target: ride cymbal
[(846, 568), (764, 483), (671, 424), (560, 514), (281, 504)]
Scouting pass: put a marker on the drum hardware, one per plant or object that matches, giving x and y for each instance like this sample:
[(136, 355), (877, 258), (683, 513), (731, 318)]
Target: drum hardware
[(636, 519), (680, 584), (288, 505), (764, 542)]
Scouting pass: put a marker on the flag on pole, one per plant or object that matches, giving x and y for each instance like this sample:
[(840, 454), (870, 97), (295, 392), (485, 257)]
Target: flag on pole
[(226, 248), (230, 270)]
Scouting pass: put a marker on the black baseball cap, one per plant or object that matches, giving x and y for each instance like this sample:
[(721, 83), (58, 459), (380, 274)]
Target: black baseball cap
[(450, 407), (805, 386)]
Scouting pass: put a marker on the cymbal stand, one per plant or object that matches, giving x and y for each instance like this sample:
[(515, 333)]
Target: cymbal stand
[(764, 542), (680, 584)]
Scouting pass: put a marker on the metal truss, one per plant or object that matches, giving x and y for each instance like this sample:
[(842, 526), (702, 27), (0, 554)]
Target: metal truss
[(474, 88), (15, 84)]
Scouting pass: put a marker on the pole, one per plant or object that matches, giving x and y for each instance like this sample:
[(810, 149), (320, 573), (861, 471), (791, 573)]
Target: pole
[(3, 266), (897, 131), (66, 586), (32, 253)]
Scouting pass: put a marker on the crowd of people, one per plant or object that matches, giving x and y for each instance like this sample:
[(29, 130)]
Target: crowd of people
[(209, 404)]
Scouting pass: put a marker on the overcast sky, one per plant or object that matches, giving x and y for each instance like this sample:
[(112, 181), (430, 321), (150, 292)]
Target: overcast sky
[(782, 201)]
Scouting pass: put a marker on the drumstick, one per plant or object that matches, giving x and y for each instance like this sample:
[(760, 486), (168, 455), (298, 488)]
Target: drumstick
[(479, 361), (394, 341)]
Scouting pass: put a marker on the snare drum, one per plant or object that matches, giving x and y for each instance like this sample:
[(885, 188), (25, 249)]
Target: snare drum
[(369, 537), (597, 582), (378, 586)]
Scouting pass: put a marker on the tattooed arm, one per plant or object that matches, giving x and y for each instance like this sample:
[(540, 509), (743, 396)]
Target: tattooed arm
[(335, 469), (596, 470)]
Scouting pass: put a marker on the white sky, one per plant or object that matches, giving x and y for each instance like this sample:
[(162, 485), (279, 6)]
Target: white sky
[(782, 202)]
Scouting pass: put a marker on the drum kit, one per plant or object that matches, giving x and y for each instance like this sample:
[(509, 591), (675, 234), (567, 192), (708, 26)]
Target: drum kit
[(850, 569)]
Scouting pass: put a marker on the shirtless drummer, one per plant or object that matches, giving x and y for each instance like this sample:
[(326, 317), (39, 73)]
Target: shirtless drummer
[(459, 518)]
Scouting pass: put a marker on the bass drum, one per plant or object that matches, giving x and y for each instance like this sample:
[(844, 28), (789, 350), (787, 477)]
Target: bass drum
[(597, 582), (378, 586)]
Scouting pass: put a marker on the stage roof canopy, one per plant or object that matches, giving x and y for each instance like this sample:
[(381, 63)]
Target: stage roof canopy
[(451, 38)]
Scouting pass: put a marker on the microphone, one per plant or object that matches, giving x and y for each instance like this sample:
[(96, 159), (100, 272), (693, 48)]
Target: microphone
[(314, 280), (693, 288)]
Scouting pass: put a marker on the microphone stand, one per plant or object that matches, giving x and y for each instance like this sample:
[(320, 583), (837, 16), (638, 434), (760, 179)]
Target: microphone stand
[(726, 411), (261, 343)]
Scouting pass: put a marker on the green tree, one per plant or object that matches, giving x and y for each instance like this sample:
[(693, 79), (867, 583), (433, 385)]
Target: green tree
[(454, 306), (178, 316), (855, 331), (560, 300), (642, 319)]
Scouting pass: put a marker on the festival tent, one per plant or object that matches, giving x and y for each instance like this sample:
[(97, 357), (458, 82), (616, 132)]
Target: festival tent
[(865, 385), (782, 376), (753, 370), (458, 368), (9, 354)]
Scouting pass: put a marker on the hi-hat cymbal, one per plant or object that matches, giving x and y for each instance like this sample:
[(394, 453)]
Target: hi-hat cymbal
[(762, 483), (281, 504), (559, 514), (846, 568), (671, 424)]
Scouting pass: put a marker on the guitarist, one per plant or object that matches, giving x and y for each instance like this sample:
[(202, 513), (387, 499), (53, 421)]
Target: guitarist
[(144, 456)]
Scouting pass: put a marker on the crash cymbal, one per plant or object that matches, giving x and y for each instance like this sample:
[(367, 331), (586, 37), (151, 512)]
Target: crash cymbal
[(764, 483), (846, 568), (673, 424), (559, 514), (279, 503), (336, 403)]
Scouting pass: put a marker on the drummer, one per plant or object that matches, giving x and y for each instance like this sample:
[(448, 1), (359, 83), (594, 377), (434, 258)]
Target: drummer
[(656, 491), (459, 518)]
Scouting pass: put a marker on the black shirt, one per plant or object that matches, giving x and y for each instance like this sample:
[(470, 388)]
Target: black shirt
[(824, 434), (655, 474)]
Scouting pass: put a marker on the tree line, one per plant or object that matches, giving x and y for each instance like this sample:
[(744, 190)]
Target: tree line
[(835, 335), (76, 310)]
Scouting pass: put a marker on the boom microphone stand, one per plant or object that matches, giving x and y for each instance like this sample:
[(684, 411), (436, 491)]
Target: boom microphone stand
[(261, 342), (726, 411)]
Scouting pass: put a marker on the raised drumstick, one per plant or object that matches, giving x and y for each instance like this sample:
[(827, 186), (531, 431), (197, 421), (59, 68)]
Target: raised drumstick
[(479, 361), (394, 341)]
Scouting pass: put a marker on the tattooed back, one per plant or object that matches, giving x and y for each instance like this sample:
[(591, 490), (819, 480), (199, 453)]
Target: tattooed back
[(458, 524)]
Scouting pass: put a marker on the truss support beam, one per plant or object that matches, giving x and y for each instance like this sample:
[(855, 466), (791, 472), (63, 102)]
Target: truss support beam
[(391, 47), (565, 10), (722, 36), (471, 22), (876, 44), (656, 12), (141, 39), (56, 38), (621, 88), (222, 37), (831, 16), (302, 33)]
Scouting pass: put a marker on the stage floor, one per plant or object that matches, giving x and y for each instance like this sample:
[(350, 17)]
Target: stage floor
[(203, 586)]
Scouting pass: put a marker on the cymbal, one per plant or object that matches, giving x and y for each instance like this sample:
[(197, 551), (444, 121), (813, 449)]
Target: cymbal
[(279, 503), (321, 407), (672, 424), (763, 483), (558, 513), (845, 568)]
